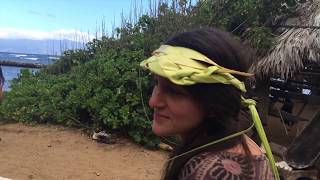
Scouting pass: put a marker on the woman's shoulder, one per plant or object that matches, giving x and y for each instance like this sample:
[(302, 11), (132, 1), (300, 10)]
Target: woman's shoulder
[(226, 165)]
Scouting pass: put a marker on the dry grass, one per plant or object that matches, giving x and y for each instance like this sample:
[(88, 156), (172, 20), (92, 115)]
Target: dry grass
[(294, 46)]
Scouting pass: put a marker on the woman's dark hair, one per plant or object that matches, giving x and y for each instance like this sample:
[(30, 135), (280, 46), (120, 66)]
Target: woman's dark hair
[(222, 102)]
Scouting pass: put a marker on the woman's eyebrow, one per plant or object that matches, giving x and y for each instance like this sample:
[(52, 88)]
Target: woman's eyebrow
[(154, 77)]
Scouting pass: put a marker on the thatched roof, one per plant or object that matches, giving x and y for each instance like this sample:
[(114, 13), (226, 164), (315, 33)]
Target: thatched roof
[(295, 46)]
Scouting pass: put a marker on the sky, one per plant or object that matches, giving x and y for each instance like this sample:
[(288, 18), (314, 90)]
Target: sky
[(62, 19)]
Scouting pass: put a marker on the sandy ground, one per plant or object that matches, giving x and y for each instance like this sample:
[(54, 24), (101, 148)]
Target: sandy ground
[(51, 152)]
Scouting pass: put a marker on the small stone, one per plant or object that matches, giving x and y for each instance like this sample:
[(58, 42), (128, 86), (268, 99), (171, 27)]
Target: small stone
[(149, 172), (30, 176)]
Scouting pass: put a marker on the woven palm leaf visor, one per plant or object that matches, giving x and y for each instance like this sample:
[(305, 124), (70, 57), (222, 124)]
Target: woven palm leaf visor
[(183, 66)]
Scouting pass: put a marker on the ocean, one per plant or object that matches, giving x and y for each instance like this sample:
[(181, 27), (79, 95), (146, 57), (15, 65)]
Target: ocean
[(10, 72)]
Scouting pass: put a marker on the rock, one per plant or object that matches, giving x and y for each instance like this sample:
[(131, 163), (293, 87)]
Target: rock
[(102, 137), (2, 178), (30, 176), (284, 165), (165, 147)]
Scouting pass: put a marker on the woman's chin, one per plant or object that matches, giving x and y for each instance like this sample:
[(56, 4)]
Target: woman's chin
[(160, 130)]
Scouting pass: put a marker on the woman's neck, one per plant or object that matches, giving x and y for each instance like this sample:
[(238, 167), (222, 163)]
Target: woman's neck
[(253, 148)]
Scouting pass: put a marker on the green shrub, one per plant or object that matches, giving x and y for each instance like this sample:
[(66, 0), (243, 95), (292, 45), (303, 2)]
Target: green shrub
[(102, 86)]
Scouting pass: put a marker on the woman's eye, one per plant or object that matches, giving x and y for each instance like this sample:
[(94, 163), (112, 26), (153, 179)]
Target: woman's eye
[(155, 81), (174, 91)]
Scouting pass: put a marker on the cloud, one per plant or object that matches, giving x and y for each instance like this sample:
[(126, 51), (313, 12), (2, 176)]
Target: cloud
[(34, 12), (60, 34), (49, 15)]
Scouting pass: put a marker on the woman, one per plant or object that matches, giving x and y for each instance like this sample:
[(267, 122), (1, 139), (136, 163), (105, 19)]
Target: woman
[(198, 96)]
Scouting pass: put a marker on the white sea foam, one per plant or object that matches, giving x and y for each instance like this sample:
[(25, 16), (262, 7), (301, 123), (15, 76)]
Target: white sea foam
[(18, 55), (53, 58), (33, 59)]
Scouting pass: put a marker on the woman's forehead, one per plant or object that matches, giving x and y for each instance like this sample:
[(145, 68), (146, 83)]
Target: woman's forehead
[(167, 83), (163, 80)]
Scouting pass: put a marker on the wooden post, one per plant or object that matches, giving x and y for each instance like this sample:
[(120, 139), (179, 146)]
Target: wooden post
[(262, 92)]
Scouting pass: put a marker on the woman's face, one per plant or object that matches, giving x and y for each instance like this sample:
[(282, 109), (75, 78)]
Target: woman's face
[(176, 112)]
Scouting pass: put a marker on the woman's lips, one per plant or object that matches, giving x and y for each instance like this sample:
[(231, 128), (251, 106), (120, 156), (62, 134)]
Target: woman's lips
[(157, 116)]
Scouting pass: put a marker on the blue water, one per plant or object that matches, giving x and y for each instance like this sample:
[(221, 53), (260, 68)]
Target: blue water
[(10, 72)]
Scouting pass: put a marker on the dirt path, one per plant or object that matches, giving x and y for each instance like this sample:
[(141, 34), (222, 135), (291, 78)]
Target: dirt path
[(51, 152)]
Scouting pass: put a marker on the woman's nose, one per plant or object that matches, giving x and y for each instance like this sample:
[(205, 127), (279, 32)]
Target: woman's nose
[(157, 98)]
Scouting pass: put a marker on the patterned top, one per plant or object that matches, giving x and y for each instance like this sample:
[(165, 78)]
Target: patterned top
[(226, 166)]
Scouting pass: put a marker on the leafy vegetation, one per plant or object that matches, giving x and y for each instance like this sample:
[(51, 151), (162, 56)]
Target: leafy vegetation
[(102, 87)]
